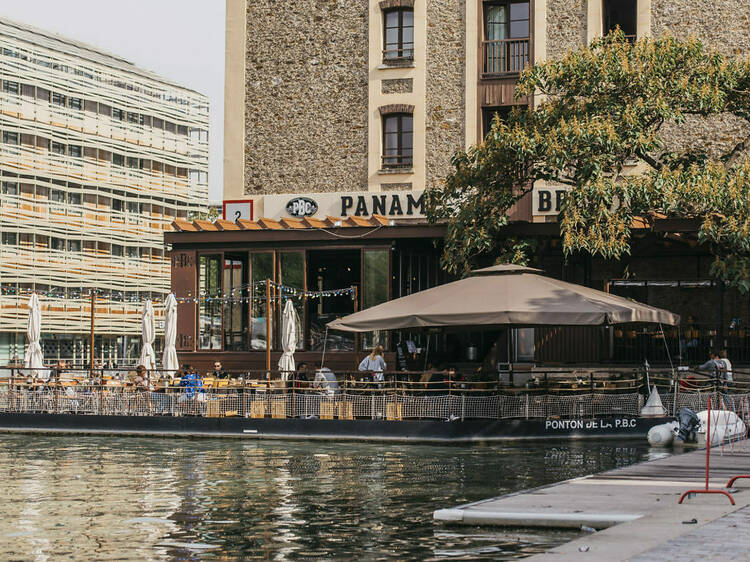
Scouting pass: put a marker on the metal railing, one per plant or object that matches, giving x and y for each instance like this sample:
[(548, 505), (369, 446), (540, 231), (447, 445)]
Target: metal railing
[(504, 56), (356, 395)]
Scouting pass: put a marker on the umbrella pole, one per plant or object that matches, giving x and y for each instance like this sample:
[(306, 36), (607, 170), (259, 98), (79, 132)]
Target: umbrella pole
[(325, 341), (268, 325), (427, 352), (91, 336)]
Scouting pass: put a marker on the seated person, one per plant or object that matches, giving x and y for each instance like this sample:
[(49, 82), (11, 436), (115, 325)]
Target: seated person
[(301, 375), (140, 381), (218, 372), (193, 385)]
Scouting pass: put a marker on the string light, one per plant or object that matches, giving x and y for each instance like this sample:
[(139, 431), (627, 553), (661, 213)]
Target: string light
[(285, 293)]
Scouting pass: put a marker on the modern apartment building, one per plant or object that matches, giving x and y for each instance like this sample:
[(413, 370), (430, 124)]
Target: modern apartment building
[(97, 158)]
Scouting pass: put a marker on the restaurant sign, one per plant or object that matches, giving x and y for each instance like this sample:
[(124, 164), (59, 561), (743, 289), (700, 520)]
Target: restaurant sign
[(548, 200), (391, 204)]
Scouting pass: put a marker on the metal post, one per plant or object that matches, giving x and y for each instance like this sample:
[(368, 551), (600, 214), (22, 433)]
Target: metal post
[(91, 340), (268, 325), (355, 298)]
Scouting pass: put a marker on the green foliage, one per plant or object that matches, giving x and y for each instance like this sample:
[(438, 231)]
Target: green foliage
[(601, 108)]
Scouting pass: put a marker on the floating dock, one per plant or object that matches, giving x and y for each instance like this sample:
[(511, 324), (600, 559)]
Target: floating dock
[(636, 504)]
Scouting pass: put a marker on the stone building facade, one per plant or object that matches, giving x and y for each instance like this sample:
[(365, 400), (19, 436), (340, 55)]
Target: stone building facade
[(310, 88)]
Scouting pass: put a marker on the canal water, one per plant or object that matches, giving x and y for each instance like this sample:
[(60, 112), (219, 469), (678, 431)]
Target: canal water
[(143, 498)]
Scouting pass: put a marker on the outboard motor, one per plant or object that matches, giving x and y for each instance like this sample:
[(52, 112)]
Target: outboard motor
[(689, 424)]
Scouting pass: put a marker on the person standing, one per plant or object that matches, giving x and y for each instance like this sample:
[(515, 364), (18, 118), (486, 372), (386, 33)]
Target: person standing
[(374, 363)]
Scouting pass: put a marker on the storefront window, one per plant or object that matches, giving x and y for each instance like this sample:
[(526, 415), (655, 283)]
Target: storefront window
[(235, 305), (261, 269), (374, 289), (292, 274), (209, 314)]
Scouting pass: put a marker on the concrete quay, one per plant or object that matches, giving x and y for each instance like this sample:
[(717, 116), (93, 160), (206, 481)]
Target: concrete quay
[(637, 508)]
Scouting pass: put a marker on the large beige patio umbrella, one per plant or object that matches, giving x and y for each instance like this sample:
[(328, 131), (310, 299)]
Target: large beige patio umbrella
[(504, 295)]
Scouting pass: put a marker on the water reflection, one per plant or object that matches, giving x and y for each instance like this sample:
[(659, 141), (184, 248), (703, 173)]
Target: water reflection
[(91, 497)]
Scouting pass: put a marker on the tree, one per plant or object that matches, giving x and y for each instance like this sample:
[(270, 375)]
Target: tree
[(602, 107)]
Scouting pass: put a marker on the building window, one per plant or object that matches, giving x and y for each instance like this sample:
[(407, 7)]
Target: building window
[(74, 150), (209, 308), (56, 196), (74, 199), (488, 114), (10, 138), (132, 252), (56, 244), (10, 238), (10, 87), (10, 188), (118, 114), (132, 117), (398, 34), (132, 162), (75, 103), (622, 14), (117, 250), (58, 99), (117, 204), (58, 148), (398, 140), (506, 37), (118, 159), (74, 245)]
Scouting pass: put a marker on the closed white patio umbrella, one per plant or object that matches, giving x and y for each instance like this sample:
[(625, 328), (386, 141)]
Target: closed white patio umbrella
[(34, 358), (288, 339), (147, 358), (169, 357)]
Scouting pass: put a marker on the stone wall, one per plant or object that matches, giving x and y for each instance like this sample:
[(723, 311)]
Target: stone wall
[(445, 103), (566, 26), (723, 25), (306, 96)]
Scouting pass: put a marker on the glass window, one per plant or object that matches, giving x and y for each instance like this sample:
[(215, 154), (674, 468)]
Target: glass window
[(10, 188), (132, 252), (58, 99), (117, 250), (132, 162), (209, 308), (10, 138), (74, 151), (132, 117), (236, 308), (506, 33), (57, 196), (58, 148), (118, 159), (398, 139), (74, 198), (57, 243), (622, 14), (374, 288), (10, 238), (75, 103), (132, 207), (292, 274), (398, 34), (261, 268), (118, 114), (10, 87), (116, 204), (74, 245)]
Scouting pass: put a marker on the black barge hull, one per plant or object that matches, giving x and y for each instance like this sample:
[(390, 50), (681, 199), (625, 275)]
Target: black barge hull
[(411, 431)]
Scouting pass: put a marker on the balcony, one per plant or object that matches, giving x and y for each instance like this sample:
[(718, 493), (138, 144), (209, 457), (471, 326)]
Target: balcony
[(504, 56), (397, 162)]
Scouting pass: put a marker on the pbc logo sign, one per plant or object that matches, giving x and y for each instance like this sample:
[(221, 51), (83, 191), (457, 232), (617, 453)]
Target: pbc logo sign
[(301, 207)]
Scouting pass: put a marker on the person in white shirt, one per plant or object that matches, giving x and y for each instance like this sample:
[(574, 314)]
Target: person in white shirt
[(374, 363), (727, 371)]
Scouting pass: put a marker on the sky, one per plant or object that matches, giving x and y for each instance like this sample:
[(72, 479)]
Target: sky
[(182, 40)]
